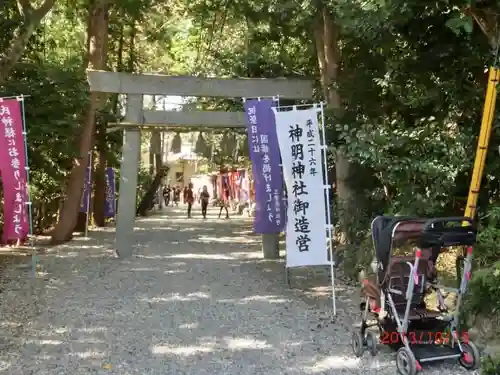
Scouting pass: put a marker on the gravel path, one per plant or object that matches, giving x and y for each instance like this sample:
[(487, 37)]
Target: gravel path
[(197, 299)]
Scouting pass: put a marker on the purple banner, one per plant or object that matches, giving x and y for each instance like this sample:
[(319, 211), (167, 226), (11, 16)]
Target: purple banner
[(85, 202), (110, 204), (265, 156)]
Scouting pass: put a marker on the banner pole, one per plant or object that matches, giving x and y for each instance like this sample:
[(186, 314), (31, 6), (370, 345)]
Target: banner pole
[(284, 202), (89, 191), (328, 213), (115, 201), (34, 258)]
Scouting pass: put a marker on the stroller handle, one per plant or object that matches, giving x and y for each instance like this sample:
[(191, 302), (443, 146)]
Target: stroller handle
[(454, 219)]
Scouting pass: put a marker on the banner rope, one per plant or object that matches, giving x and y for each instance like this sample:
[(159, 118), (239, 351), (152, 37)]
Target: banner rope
[(88, 186)]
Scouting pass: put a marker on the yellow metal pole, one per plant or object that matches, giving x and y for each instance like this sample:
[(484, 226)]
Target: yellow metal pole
[(482, 145)]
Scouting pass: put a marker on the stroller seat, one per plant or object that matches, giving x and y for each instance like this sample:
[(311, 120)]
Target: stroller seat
[(398, 279), (396, 283)]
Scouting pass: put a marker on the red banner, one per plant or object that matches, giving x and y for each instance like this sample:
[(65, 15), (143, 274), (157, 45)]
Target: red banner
[(13, 171), (235, 176), (219, 187)]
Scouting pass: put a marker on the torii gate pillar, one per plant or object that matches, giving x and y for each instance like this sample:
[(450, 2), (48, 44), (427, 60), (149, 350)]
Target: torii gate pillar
[(129, 171)]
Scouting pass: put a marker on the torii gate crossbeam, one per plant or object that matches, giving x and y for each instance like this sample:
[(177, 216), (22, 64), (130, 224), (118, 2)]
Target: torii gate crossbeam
[(134, 86)]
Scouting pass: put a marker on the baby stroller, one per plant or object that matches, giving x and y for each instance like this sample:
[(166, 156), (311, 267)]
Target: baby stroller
[(396, 295)]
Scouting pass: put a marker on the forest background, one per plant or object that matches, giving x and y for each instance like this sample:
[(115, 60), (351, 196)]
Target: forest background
[(404, 82)]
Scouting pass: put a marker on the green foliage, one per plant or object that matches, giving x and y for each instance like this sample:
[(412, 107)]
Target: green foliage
[(487, 250), (482, 300), (52, 73), (144, 181), (358, 258), (412, 90), (57, 95), (490, 366), (484, 285), (460, 22), (416, 168)]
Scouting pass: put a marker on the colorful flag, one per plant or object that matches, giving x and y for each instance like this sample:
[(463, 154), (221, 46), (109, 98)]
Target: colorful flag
[(13, 170), (110, 203), (265, 156)]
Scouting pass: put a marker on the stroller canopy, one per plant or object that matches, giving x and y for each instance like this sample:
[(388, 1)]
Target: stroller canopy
[(393, 231)]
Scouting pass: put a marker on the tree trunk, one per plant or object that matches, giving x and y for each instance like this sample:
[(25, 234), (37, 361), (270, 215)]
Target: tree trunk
[(151, 158), (32, 19), (154, 150), (119, 63), (487, 20), (131, 47), (100, 175), (327, 38), (98, 40)]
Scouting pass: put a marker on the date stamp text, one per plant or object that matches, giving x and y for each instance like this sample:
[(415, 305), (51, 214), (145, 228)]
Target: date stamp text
[(421, 337)]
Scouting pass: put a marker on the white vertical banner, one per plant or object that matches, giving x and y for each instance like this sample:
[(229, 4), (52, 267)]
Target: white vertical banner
[(298, 133)]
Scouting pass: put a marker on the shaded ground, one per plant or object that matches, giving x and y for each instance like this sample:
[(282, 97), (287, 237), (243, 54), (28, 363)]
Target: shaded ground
[(13, 257), (196, 299)]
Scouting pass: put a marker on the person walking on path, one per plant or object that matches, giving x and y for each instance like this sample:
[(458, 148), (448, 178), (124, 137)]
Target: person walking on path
[(166, 194), (189, 198), (225, 200), (177, 195), (204, 197), (198, 194)]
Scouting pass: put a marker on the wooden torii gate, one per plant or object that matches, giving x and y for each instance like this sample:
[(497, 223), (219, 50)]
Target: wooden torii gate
[(134, 86)]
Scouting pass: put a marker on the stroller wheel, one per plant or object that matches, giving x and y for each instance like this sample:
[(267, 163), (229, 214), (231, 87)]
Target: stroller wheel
[(357, 343), (372, 342), (406, 362), (470, 358)]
